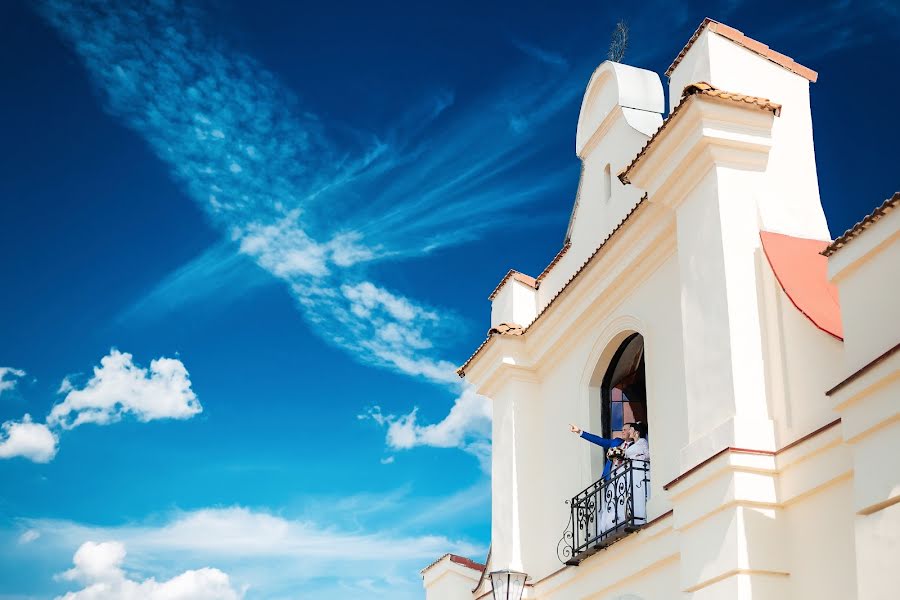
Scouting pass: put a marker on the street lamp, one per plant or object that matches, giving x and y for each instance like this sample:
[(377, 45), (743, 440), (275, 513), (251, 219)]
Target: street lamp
[(508, 585)]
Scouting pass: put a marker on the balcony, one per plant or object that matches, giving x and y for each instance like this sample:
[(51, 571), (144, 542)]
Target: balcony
[(606, 511)]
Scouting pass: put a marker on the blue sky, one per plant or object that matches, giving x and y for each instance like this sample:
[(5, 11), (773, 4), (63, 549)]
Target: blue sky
[(244, 244)]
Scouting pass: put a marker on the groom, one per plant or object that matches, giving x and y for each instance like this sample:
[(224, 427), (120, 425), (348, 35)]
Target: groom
[(605, 443)]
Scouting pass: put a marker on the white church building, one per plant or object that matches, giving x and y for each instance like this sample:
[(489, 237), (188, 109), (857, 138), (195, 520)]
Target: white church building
[(699, 291)]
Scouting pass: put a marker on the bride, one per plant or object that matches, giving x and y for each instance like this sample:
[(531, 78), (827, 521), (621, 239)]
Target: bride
[(625, 494)]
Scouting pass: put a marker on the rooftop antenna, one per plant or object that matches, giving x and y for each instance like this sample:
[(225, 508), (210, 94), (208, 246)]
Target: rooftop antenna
[(618, 42)]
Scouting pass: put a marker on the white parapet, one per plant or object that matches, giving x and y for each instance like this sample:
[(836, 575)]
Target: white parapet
[(514, 301)]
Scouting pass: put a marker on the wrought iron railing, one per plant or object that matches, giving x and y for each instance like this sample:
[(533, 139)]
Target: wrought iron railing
[(605, 511)]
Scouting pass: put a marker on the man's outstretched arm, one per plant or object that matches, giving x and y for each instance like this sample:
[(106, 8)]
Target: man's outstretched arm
[(601, 441), (596, 439)]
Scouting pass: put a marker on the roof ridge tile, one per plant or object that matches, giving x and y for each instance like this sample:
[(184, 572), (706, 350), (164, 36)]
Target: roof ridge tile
[(869, 220), (738, 37), (699, 88)]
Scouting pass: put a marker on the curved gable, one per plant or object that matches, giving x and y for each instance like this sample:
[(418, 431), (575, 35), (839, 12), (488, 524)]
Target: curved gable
[(614, 85)]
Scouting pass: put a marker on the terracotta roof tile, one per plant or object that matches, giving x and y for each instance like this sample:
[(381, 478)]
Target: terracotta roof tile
[(739, 38), (886, 207), (466, 562), (554, 262), (706, 89), (460, 560), (691, 91), (462, 370), (520, 277)]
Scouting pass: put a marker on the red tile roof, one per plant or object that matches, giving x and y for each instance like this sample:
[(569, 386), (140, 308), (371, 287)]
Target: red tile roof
[(705, 89), (886, 207), (462, 370), (691, 91), (460, 560), (802, 272), (466, 562), (739, 38), (520, 277)]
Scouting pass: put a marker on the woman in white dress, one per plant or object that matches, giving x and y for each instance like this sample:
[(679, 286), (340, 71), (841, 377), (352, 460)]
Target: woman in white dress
[(627, 489)]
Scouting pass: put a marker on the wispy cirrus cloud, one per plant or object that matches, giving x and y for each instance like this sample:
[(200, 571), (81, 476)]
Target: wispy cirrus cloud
[(834, 26), (545, 56), (219, 272), (309, 203)]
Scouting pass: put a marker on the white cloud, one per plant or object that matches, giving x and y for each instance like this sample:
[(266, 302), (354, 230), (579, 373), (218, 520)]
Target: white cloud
[(267, 554), (27, 439), (378, 326), (99, 567), (467, 426), (243, 532), (366, 298), (388, 460), (275, 180), (97, 562), (29, 535), (283, 248), (119, 387), (8, 378), (347, 249)]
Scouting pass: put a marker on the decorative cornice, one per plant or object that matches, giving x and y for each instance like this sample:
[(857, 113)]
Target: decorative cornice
[(692, 91), (862, 371), (734, 450)]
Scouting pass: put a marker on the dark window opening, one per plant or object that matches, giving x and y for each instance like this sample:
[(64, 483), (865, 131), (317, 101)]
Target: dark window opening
[(624, 389)]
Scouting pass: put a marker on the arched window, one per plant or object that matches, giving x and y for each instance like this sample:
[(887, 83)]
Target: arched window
[(624, 388)]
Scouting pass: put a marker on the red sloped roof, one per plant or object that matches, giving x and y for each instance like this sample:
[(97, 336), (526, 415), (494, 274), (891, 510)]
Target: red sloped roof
[(460, 560), (803, 274), (466, 562)]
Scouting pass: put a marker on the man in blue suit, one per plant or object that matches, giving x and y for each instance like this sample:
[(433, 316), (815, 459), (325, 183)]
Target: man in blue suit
[(605, 443)]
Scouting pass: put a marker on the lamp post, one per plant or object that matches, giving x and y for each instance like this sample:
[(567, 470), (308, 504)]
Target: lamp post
[(508, 585)]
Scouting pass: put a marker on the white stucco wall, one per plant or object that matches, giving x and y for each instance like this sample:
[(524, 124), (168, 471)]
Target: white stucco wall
[(766, 483), (791, 204), (867, 273), (516, 303), (621, 109), (795, 392), (819, 538)]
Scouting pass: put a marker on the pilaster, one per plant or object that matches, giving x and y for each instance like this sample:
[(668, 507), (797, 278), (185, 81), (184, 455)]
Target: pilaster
[(730, 521), (515, 467)]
